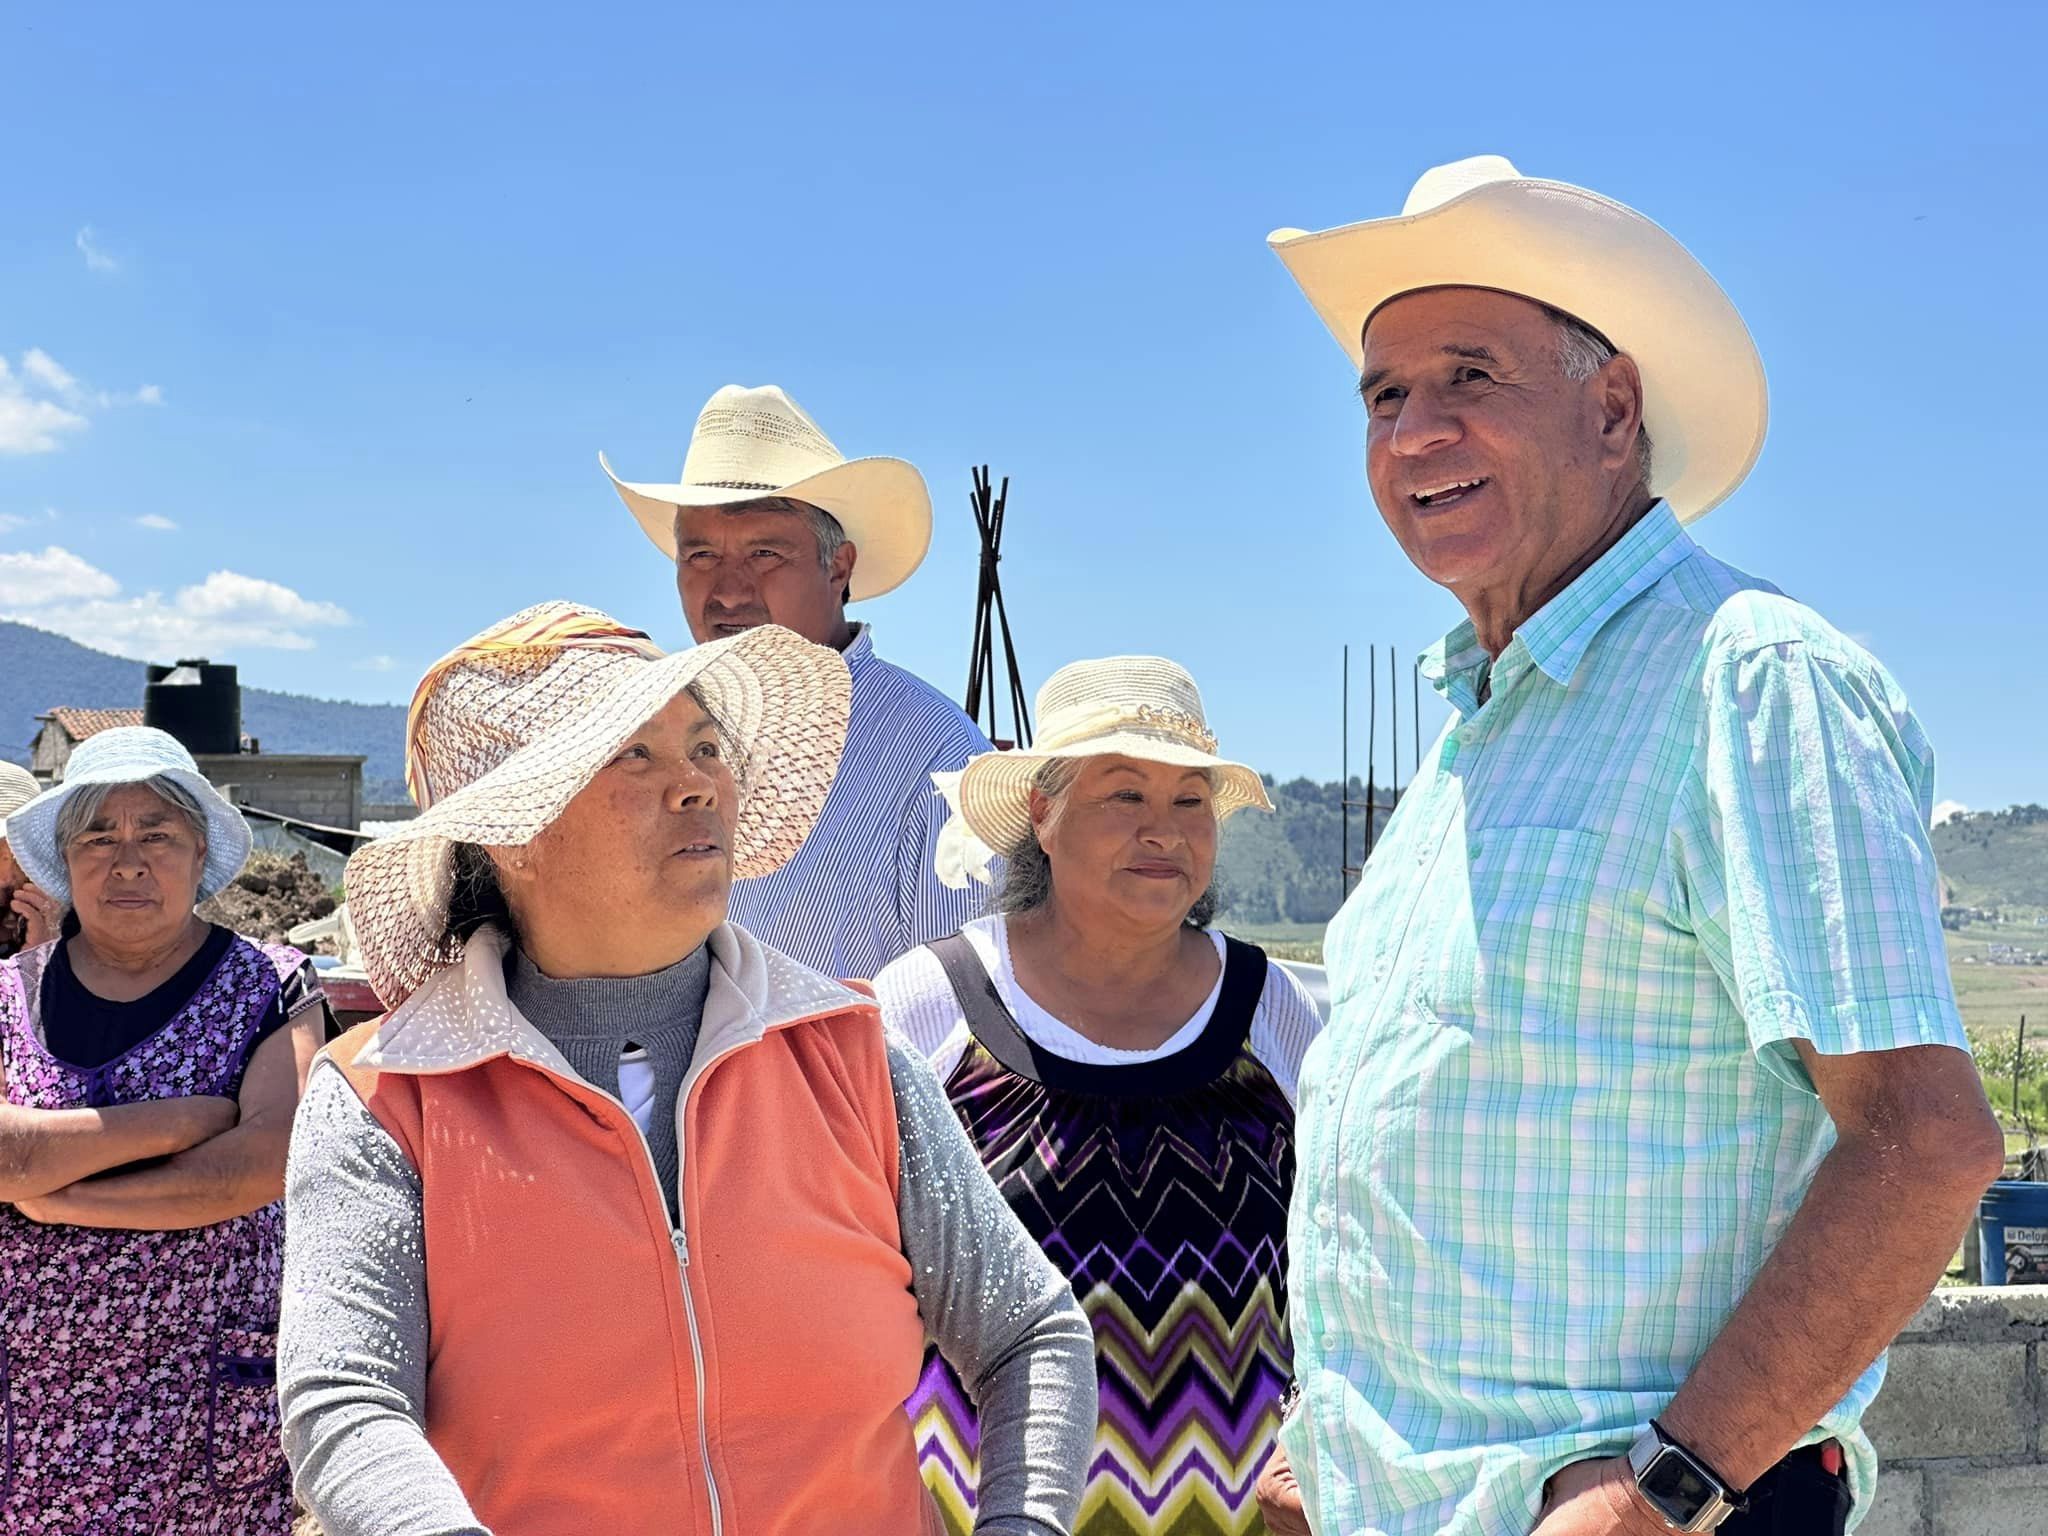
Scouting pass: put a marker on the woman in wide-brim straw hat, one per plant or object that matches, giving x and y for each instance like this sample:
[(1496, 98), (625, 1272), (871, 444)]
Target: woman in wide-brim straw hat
[(1126, 1074), (28, 916), (152, 1061), (620, 1220)]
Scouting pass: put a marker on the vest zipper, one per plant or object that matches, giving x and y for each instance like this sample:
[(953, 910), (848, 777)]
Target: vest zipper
[(682, 1245), (680, 1242)]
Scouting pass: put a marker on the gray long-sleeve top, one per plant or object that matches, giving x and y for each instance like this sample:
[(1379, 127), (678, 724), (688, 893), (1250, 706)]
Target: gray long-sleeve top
[(353, 1351)]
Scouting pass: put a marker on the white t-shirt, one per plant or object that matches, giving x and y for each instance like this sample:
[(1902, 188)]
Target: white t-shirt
[(918, 1002), (636, 1085)]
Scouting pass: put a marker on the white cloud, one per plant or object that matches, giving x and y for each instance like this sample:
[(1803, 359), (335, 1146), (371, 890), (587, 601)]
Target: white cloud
[(1946, 809), (45, 400), (96, 260), (51, 374), (157, 522), (377, 664), (29, 580), (29, 425), (226, 612)]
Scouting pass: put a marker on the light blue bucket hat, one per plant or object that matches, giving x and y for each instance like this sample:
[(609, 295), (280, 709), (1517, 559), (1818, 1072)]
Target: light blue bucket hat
[(127, 754)]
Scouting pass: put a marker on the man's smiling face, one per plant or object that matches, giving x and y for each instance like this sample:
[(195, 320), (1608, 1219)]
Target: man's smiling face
[(1484, 458)]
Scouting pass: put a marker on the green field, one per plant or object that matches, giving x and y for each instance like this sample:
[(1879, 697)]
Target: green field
[(1993, 997), (1283, 941)]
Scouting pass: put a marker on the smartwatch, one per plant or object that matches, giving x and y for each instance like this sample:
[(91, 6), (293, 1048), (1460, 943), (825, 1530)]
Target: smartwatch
[(1687, 1492)]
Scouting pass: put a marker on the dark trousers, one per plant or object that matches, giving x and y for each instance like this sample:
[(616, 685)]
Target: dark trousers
[(1797, 1497)]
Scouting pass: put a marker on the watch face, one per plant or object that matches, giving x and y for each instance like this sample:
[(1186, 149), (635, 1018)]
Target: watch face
[(1676, 1484)]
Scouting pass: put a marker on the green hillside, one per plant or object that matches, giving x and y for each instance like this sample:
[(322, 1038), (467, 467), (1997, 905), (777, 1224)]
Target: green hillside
[(1995, 859), (1284, 868)]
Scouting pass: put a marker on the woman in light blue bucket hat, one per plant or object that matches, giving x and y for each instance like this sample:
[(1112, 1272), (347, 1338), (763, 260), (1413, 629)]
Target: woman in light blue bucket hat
[(151, 1062)]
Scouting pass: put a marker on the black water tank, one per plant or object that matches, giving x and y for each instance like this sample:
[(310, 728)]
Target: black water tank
[(197, 702)]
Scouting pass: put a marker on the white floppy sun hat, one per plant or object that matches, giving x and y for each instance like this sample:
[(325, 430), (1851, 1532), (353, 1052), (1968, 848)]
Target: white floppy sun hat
[(1120, 706), (128, 754), (753, 443), (509, 727), (1480, 223)]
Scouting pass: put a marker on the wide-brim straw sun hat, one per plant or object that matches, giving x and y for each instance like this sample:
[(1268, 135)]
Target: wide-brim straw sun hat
[(1480, 223), (127, 754), (510, 727), (1144, 707), (754, 443), (17, 787)]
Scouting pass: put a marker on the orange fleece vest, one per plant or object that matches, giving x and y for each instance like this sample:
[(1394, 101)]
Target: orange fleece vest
[(590, 1371)]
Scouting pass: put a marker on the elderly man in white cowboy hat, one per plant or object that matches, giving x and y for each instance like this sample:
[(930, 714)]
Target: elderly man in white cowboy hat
[(771, 524), (1645, 1117)]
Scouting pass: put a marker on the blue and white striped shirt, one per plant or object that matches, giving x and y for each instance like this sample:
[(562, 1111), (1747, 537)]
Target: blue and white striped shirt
[(861, 890)]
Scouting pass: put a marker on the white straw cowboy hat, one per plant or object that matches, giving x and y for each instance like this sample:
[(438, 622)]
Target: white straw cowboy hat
[(1121, 706), (509, 727), (127, 754), (1480, 223), (751, 443)]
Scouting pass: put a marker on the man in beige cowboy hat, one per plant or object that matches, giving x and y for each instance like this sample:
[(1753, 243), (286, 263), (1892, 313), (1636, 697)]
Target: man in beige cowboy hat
[(771, 524), (1644, 1117)]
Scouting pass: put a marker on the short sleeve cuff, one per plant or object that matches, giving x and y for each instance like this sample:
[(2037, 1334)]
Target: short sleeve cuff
[(1845, 1030)]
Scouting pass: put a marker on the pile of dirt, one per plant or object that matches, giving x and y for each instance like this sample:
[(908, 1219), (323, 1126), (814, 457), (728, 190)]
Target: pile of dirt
[(270, 897)]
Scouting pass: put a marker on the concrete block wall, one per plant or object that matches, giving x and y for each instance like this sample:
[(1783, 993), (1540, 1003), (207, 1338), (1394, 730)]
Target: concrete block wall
[(1962, 1422), (327, 791)]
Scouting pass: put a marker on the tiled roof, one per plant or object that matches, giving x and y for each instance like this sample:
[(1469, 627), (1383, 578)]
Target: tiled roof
[(81, 723)]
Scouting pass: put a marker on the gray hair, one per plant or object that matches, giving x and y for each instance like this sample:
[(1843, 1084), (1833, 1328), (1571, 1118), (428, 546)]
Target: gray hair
[(825, 528), (1583, 352), (83, 805), (1027, 871)]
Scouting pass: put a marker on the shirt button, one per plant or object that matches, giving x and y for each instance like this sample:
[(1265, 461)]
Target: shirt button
[(1328, 1341), (1324, 1214)]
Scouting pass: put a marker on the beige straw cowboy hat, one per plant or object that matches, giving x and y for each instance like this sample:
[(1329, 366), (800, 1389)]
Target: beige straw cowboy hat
[(751, 443), (1121, 706), (1480, 223), (508, 728)]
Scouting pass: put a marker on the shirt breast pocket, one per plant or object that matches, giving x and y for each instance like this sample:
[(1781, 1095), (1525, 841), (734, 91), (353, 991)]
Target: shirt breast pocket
[(1540, 917)]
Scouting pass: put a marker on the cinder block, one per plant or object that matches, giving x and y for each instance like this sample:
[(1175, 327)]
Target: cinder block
[(1901, 1505), (1988, 1501), (1953, 1400), (1981, 1312)]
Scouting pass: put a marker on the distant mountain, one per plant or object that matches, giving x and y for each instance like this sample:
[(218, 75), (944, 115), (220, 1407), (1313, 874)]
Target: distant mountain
[(39, 670), (1994, 859)]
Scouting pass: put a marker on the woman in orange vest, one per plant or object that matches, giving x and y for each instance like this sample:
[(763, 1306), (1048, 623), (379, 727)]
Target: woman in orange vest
[(620, 1220)]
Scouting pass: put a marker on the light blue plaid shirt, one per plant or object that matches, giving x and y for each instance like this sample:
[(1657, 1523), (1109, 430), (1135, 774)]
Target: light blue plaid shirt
[(1557, 1124)]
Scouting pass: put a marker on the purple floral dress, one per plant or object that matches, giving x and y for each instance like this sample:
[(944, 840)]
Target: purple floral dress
[(138, 1375)]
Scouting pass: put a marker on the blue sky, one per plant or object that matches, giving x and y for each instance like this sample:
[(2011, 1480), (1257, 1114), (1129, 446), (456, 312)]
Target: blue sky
[(350, 299)]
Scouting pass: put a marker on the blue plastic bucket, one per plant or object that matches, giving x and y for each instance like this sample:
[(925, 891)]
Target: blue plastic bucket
[(2014, 1221)]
